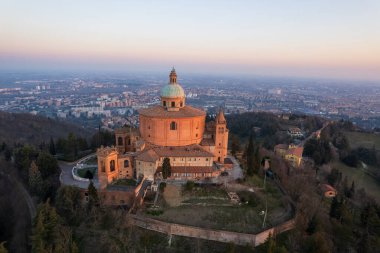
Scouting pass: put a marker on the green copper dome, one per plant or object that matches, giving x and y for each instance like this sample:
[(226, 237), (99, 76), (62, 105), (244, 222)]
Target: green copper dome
[(172, 90)]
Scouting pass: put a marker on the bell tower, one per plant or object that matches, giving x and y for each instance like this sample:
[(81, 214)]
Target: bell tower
[(221, 137)]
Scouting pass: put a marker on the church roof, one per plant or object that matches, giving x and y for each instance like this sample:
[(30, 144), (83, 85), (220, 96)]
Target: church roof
[(193, 150), (160, 112), (156, 152), (172, 91), (148, 156)]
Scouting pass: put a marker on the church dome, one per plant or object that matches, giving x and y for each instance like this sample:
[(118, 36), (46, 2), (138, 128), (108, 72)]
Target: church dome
[(172, 91)]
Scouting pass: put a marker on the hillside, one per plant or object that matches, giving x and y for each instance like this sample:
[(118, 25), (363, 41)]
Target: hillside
[(31, 129)]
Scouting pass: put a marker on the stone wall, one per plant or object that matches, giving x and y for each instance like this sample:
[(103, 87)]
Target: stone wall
[(209, 234)]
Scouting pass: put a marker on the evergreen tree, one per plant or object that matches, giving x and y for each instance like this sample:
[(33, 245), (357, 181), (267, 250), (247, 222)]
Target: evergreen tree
[(312, 226), (93, 198), (346, 190), (166, 168), (47, 164), (46, 229), (7, 154), (334, 208), (250, 157), (68, 203), (35, 179), (52, 147), (256, 160), (235, 145), (352, 189)]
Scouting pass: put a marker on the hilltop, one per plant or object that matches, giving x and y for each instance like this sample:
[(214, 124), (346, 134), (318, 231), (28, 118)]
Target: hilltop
[(32, 129)]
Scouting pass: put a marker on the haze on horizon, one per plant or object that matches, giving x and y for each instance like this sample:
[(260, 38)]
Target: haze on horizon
[(327, 39)]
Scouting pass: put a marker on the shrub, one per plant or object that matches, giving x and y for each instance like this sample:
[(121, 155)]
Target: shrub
[(189, 185), (155, 212), (162, 187)]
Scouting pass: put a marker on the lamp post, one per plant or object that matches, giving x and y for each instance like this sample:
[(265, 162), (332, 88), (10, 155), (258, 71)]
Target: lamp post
[(265, 212)]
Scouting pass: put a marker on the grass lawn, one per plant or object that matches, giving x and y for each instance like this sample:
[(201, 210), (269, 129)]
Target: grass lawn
[(255, 181), (210, 207), (362, 180), (366, 140)]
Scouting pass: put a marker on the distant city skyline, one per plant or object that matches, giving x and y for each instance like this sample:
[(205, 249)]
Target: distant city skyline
[(326, 39)]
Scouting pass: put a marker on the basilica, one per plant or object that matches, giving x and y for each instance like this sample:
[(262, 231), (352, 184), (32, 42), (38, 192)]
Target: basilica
[(173, 130)]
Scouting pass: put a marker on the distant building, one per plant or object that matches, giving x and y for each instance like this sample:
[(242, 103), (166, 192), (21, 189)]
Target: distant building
[(295, 132), (171, 130), (291, 153)]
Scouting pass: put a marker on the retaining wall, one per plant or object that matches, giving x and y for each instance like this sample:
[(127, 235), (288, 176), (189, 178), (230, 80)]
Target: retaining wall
[(210, 234)]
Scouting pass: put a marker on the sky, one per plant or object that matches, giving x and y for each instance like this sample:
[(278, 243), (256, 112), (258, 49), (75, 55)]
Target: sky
[(313, 38)]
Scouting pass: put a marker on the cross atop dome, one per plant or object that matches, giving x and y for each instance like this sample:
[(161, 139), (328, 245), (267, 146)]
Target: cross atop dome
[(173, 76)]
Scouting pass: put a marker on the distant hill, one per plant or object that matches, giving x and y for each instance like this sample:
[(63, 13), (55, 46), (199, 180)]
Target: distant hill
[(31, 129)]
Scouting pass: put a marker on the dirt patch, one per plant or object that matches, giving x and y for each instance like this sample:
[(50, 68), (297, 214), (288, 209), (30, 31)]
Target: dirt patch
[(172, 195)]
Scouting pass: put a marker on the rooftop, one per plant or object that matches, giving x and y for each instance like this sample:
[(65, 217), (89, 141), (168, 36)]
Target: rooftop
[(160, 112), (155, 152)]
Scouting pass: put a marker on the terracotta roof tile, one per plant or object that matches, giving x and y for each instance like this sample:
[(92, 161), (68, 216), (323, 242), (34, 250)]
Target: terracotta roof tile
[(152, 154), (148, 156), (184, 151), (297, 151)]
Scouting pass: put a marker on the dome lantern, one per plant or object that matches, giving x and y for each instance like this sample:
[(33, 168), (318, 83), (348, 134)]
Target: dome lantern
[(172, 94)]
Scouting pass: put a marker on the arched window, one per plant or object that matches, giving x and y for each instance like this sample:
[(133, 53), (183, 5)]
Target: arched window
[(181, 104), (129, 142), (164, 103), (112, 165), (126, 163), (173, 104), (119, 141), (173, 126)]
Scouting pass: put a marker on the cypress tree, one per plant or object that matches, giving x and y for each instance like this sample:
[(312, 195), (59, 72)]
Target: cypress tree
[(93, 198), (52, 147), (250, 157), (256, 160), (166, 168), (352, 189), (35, 179), (334, 208)]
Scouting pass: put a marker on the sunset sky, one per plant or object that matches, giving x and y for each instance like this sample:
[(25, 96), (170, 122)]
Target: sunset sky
[(323, 38)]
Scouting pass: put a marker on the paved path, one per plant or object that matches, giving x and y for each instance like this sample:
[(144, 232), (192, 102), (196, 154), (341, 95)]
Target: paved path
[(66, 177), (25, 193), (313, 134)]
